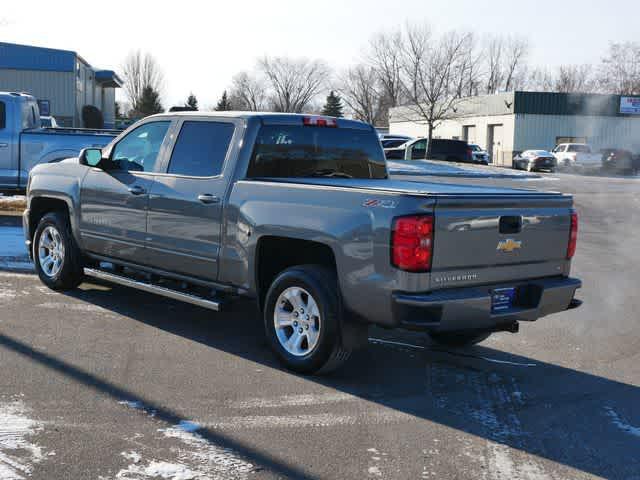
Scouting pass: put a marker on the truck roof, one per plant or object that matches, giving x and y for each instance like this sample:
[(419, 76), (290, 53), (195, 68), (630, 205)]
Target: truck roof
[(268, 117)]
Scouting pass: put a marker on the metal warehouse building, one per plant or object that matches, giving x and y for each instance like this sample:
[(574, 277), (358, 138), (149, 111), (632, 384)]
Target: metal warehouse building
[(61, 80), (509, 123)]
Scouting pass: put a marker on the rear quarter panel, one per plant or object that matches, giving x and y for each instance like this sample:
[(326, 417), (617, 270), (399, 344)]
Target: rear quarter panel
[(358, 235)]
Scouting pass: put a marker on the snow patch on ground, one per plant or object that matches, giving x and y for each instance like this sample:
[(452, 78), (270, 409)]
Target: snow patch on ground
[(197, 457), (621, 423), (300, 400), (75, 307), (13, 203), (18, 453), (155, 469)]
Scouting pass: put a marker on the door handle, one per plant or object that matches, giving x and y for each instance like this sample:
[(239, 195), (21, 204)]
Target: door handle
[(137, 190), (208, 198), (4, 145)]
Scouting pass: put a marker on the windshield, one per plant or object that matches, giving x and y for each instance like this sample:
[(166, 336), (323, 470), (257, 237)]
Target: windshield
[(302, 151)]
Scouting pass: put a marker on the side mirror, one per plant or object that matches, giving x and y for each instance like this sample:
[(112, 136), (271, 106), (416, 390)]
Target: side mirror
[(91, 157)]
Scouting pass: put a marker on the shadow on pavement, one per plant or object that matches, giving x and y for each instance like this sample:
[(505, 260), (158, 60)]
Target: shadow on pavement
[(573, 418)]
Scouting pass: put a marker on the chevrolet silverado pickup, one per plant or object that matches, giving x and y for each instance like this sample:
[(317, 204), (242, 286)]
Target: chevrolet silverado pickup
[(298, 213), (24, 143)]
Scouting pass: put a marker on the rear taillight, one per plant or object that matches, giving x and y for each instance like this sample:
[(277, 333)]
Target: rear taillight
[(319, 122), (412, 243), (573, 236)]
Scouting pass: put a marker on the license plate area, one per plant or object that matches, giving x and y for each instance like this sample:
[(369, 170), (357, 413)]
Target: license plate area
[(503, 299)]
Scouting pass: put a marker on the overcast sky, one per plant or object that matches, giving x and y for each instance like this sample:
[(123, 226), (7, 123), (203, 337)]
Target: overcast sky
[(201, 45)]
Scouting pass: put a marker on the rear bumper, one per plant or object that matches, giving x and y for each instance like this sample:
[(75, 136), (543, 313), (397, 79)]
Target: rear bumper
[(469, 308)]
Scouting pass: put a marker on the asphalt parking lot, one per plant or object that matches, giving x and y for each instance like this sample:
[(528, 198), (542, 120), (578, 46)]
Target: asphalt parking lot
[(107, 382)]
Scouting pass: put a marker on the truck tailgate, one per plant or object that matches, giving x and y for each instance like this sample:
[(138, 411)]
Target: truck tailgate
[(480, 239)]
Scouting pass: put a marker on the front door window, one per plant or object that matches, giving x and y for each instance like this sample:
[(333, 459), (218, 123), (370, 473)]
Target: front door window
[(138, 150)]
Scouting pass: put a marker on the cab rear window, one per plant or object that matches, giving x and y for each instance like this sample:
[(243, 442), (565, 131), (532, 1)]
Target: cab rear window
[(306, 151)]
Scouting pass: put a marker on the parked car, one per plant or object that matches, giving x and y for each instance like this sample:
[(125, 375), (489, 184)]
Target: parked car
[(535, 160), (304, 220), (394, 136), (617, 159), (393, 142), (479, 155), (47, 121), (571, 154), (24, 143), (442, 149)]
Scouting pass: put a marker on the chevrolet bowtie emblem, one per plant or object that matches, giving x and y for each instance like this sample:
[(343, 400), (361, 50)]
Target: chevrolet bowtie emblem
[(509, 245)]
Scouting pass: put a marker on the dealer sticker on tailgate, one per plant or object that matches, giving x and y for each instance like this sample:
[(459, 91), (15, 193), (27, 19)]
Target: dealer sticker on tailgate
[(502, 299)]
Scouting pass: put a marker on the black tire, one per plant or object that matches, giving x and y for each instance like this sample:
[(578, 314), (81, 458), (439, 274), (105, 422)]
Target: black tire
[(329, 352), (458, 340), (70, 273)]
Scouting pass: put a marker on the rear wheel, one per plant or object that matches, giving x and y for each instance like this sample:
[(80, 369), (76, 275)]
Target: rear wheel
[(57, 259), (302, 318), (451, 339)]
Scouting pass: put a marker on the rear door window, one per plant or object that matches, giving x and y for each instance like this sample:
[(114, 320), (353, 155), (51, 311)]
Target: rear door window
[(308, 151), (201, 148), (3, 115)]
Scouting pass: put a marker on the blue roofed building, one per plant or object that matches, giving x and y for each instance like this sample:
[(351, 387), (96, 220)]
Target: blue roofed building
[(61, 80)]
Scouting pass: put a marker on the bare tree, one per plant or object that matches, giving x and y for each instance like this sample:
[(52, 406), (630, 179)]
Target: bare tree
[(293, 82), (516, 53), (540, 80), (573, 79), (493, 54), (141, 70), (468, 68), (248, 92), (619, 71), (358, 89), (506, 63), (384, 57), (431, 75)]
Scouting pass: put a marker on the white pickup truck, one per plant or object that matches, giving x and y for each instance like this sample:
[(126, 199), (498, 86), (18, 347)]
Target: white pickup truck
[(24, 143), (571, 154)]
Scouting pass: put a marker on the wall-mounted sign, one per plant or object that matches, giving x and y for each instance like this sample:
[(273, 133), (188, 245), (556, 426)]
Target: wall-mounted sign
[(630, 105), (45, 108)]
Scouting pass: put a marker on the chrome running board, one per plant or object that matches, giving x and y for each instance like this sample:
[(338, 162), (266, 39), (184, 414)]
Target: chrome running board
[(149, 287)]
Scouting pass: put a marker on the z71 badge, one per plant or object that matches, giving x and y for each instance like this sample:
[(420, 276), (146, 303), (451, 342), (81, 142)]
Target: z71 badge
[(373, 202)]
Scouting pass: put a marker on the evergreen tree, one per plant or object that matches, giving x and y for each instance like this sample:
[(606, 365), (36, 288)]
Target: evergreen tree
[(192, 101), (224, 104), (333, 107), (149, 102)]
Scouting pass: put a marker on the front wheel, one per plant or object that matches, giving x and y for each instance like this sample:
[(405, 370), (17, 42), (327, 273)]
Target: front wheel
[(302, 318), (56, 256), (451, 339)]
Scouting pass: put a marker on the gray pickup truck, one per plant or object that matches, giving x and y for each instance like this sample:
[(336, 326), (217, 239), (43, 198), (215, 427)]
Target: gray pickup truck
[(24, 143), (298, 213)]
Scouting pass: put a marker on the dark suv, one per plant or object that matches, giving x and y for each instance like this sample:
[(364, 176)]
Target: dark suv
[(441, 149)]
